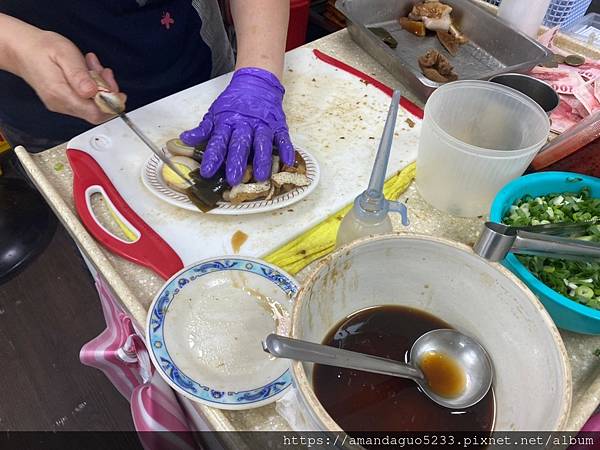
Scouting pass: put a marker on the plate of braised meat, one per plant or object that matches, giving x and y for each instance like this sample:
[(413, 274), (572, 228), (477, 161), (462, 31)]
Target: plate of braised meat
[(287, 185)]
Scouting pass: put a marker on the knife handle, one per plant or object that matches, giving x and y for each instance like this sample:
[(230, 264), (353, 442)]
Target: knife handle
[(108, 101), (145, 246)]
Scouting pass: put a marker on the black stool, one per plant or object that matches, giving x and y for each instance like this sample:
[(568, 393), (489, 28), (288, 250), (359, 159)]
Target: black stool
[(27, 225)]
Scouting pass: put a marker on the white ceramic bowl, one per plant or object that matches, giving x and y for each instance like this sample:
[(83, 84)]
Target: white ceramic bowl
[(205, 326), (532, 376)]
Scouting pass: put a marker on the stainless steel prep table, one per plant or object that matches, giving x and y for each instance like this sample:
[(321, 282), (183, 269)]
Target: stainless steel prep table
[(135, 286)]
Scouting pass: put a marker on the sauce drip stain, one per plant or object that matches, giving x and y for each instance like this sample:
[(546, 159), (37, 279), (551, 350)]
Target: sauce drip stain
[(444, 375), (237, 240), (360, 401)]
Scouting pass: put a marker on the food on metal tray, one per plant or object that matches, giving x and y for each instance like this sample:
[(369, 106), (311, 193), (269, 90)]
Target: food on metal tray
[(385, 36), (449, 41), (435, 16), (415, 27), (436, 67), (216, 189), (576, 280)]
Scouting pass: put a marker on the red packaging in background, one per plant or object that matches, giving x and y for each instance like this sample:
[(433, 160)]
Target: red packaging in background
[(585, 161), (299, 12)]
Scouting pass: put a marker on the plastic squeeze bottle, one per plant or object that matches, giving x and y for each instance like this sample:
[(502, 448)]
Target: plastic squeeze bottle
[(524, 15), (369, 214)]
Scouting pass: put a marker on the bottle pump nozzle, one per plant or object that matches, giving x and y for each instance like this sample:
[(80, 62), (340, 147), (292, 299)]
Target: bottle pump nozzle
[(370, 212)]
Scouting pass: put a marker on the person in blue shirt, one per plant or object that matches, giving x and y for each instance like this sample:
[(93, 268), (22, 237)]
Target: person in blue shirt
[(147, 49)]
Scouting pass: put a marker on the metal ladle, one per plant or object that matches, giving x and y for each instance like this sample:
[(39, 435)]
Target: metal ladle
[(464, 350)]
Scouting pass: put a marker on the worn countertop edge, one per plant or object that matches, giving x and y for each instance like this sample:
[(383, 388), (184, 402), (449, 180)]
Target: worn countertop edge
[(92, 250), (583, 404), (86, 242)]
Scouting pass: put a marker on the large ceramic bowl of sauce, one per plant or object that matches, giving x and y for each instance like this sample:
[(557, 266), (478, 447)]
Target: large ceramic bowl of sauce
[(379, 294)]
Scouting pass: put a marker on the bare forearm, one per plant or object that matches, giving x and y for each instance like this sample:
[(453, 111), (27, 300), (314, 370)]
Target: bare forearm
[(54, 67), (261, 29), (11, 32)]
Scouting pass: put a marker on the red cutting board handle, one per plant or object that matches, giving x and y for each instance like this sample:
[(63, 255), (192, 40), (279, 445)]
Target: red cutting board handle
[(149, 250)]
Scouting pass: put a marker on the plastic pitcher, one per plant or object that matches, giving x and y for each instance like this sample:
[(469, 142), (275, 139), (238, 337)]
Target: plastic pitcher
[(525, 16), (476, 137)]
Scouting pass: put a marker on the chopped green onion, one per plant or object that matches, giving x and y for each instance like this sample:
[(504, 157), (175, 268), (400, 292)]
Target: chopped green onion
[(585, 292), (577, 280)]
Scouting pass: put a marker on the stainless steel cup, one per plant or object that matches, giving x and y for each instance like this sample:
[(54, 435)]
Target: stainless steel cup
[(541, 92)]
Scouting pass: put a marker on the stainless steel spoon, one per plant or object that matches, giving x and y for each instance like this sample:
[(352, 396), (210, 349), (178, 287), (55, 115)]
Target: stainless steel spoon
[(464, 350)]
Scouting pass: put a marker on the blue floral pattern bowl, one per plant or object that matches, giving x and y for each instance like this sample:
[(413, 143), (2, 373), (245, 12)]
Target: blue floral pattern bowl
[(205, 327)]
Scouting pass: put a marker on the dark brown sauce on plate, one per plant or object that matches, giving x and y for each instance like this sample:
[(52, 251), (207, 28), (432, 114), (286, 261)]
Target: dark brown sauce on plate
[(361, 401), (238, 239)]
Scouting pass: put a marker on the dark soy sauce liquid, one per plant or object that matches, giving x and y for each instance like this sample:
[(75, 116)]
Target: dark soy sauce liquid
[(361, 401), (444, 375)]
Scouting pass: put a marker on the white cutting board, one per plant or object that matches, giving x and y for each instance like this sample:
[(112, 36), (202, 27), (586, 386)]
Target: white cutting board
[(333, 115)]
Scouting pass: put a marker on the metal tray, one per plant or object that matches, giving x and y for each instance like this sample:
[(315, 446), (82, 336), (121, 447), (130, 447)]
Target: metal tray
[(493, 48)]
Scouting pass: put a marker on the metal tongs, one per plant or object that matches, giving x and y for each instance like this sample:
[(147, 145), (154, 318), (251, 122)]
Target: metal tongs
[(497, 240)]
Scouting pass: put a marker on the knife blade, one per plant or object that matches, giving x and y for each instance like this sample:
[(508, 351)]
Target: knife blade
[(109, 101), (203, 199)]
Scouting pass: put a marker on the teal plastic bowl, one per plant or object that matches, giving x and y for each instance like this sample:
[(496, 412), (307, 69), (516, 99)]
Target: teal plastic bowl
[(566, 313)]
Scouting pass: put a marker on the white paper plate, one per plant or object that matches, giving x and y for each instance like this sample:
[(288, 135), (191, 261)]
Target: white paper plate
[(152, 179), (205, 329)]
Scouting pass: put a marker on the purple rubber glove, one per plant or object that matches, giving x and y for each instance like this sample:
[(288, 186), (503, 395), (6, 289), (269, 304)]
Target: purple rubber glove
[(247, 115)]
